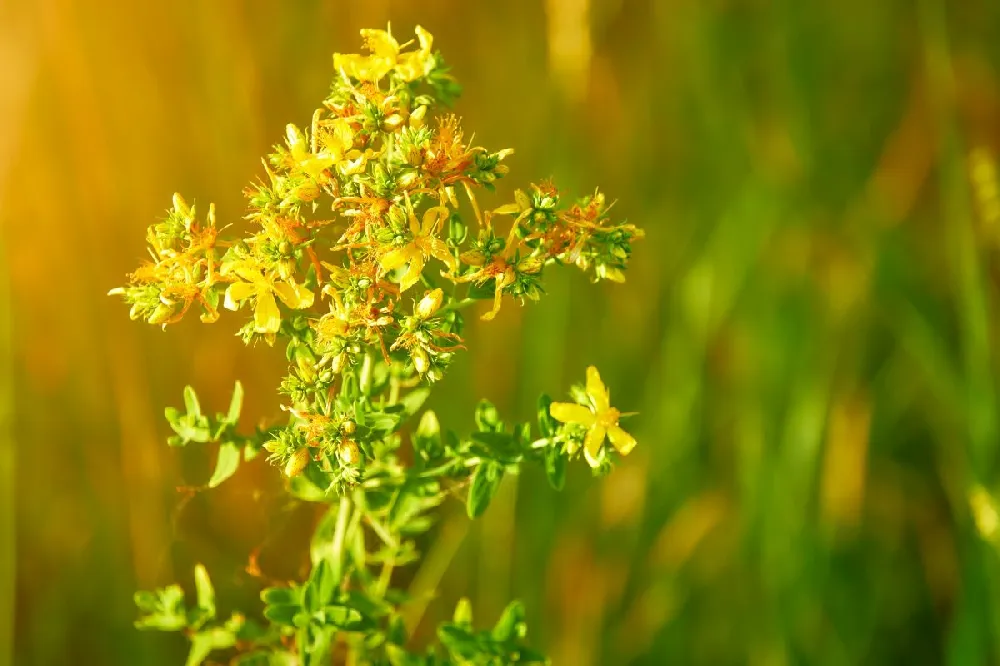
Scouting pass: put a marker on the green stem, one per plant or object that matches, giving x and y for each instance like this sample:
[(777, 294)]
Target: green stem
[(343, 514)]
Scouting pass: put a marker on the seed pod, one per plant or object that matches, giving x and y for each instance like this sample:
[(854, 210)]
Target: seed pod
[(297, 463)]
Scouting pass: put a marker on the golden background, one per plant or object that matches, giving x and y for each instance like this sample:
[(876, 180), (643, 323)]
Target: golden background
[(809, 330)]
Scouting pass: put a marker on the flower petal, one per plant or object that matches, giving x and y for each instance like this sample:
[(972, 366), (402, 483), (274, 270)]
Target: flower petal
[(432, 218), (295, 296), (438, 249), (266, 316), (570, 412), (238, 292), (592, 444), (497, 299), (395, 258), (412, 274), (596, 390), (621, 440)]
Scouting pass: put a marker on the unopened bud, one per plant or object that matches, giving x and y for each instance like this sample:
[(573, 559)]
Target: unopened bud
[(349, 453), (429, 304), (297, 463), (420, 360), (180, 206), (417, 117)]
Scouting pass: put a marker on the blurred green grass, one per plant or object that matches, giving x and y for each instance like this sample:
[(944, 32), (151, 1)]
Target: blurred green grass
[(808, 331)]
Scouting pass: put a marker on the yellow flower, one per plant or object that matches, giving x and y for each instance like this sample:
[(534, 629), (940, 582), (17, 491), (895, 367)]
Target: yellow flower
[(425, 244), (386, 57), (267, 317), (600, 418)]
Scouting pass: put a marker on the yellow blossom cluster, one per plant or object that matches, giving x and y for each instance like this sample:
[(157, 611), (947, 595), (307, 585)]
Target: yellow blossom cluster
[(372, 207)]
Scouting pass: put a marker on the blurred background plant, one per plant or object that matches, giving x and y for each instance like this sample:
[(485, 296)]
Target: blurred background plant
[(810, 333)]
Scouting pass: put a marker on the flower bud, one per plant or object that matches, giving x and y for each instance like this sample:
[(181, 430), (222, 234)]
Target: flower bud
[(180, 206), (417, 117), (348, 427), (429, 304), (297, 463), (420, 360), (349, 453)]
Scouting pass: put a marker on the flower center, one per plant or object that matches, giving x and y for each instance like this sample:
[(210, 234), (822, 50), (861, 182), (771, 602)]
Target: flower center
[(608, 418)]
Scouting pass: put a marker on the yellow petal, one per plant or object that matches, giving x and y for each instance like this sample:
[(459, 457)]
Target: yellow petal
[(380, 43), (497, 299), (412, 274), (433, 217), (508, 209), (266, 316), (426, 39), (295, 296), (596, 390), (395, 258), (621, 440), (570, 412), (238, 292), (593, 443), (438, 249)]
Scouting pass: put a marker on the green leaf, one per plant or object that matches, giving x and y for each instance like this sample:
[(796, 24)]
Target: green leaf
[(485, 483), (546, 424), (463, 613), (191, 402), (226, 464), (500, 445), (321, 546), (487, 416), (511, 623), (235, 405), (459, 642), (427, 438), (343, 617), (275, 596), (555, 466), (415, 399), (283, 614), (205, 591), (204, 642)]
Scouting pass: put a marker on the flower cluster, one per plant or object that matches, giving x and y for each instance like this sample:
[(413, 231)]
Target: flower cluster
[(366, 240), (359, 241)]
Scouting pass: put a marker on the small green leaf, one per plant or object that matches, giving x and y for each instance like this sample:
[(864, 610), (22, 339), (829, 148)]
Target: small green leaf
[(487, 416), (226, 464), (191, 402), (485, 483), (427, 438), (457, 231), (511, 623), (343, 617), (458, 641), (415, 399), (205, 591), (235, 405), (275, 596), (463, 613), (204, 642), (546, 424), (283, 614), (555, 466)]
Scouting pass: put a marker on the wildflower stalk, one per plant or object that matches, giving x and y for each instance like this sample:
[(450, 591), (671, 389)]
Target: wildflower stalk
[(353, 214)]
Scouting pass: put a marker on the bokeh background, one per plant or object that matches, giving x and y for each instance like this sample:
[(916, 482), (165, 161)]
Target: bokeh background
[(809, 330)]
